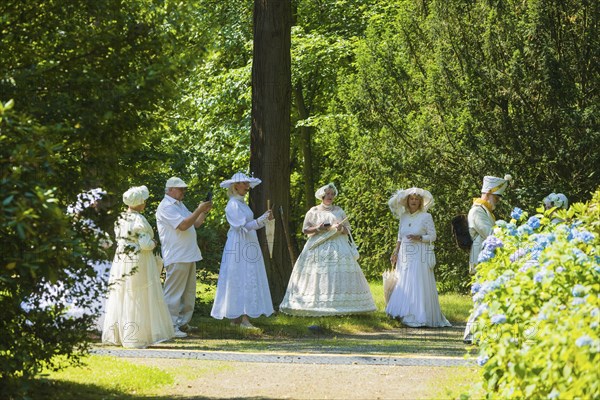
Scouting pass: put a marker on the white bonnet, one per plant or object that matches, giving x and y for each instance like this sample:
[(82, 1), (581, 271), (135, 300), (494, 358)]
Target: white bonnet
[(556, 200), (494, 185), (320, 193), (135, 196), (397, 202)]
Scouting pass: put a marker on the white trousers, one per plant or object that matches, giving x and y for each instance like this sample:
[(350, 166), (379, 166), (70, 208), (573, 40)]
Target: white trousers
[(180, 291)]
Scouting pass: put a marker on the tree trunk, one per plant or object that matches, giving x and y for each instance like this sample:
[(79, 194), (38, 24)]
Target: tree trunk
[(306, 136), (270, 135)]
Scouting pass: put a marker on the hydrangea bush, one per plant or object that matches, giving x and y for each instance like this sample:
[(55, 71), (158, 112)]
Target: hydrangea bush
[(536, 300)]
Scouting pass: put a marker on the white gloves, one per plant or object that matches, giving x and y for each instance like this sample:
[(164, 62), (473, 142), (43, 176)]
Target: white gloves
[(262, 220), (257, 223)]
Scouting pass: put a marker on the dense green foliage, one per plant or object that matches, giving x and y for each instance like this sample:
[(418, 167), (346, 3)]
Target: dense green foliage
[(89, 84), (536, 295), (446, 92), (386, 94), (40, 243)]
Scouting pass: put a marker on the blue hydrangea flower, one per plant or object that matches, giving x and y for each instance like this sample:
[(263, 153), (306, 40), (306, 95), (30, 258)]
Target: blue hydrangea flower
[(580, 256), (485, 255), (584, 340), (501, 223), (578, 290), (534, 222), (517, 254), (498, 319), (538, 277), (542, 316), (583, 235), (578, 301), (516, 213), (554, 394), (492, 242), (524, 230), (482, 359), (475, 288), (560, 269)]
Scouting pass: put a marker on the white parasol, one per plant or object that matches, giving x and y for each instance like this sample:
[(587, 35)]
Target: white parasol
[(389, 283), (270, 231)]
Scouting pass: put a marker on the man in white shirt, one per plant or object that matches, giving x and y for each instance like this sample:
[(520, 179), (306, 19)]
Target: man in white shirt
[(180, 252)]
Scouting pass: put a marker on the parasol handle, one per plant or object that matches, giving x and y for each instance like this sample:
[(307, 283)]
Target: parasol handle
[(287, 236)]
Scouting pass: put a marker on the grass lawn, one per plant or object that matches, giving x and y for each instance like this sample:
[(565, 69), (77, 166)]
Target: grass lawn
[(375, 333)]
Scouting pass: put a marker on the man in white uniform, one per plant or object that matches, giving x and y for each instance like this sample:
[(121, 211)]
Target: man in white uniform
[(180, 252), (481, 224)]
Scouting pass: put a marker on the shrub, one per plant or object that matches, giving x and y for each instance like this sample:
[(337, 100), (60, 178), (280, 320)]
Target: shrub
[(40, 243), (536, 297)]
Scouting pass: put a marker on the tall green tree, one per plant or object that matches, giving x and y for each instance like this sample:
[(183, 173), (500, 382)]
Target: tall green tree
[(91, 84)]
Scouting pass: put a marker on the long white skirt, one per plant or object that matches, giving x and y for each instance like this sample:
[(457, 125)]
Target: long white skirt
[(242, 287), (136, 313), (327, 280), (415, 297)]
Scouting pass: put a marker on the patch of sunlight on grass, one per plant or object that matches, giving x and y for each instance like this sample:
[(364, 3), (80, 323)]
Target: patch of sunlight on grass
[(111, 373), (457, 383), (456, 307)]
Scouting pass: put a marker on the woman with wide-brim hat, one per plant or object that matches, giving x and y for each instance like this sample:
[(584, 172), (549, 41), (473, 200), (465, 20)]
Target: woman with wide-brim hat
[(242, 287), (415, 298)]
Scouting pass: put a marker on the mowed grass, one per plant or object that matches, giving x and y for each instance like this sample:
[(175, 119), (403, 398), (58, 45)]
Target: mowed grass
[(374, 333)]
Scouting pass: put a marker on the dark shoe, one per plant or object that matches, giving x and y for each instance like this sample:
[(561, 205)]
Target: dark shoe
[(188, 328)]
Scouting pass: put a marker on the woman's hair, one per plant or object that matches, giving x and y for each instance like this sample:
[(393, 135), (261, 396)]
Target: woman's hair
[(231, 191)]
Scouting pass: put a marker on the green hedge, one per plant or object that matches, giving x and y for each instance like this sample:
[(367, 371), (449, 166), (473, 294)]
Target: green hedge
[(536, 298)]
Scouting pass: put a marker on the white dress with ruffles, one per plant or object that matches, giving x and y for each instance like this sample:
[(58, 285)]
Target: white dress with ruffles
[(326, 279), (242, 287), (136, 313), (415, 297)]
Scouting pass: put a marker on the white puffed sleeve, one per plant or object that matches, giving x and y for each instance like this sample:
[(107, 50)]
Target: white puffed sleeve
[(430, 234), (310, 219), (237, 218), (143, 231)]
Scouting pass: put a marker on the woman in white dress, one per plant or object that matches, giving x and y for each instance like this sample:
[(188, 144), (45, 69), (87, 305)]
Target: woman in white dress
[(136, 312), (327, 279), (415, 297), (242, 287)]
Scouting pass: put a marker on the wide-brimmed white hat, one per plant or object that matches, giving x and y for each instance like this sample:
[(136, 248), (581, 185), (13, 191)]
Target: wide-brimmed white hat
[(494, 185), (135, 196), (397, 202), (320, 193), (239, 177), (175, 182)]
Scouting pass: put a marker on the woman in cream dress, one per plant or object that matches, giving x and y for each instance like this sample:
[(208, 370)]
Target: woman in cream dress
[(415, 297), (327, 279), (136, 313)]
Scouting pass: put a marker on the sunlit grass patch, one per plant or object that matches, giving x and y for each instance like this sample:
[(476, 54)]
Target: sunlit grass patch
[(114, 375)]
